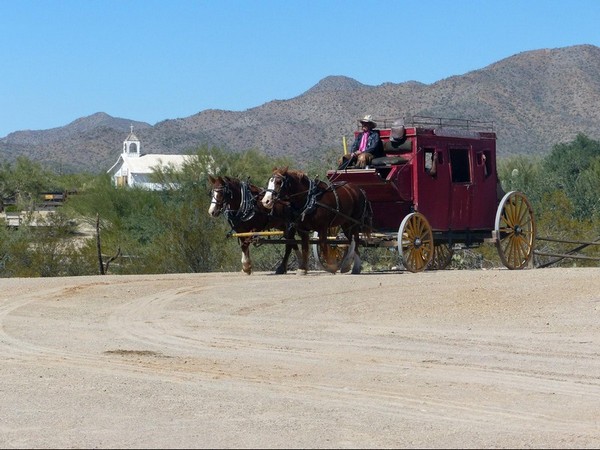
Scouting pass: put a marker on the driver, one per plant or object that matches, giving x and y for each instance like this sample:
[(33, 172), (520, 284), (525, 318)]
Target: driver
[(366, 146)]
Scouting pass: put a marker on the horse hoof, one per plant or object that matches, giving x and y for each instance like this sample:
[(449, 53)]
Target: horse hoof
[(301, 272), (247, 271), (280, 271)]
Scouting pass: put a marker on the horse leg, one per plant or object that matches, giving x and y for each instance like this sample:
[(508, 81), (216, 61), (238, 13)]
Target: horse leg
[(303, 262), (331, 264), (283, 266), (246, 261), (357, 266)]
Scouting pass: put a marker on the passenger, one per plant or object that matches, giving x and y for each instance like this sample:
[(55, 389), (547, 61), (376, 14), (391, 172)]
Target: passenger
[(433, 169), (366, 146)]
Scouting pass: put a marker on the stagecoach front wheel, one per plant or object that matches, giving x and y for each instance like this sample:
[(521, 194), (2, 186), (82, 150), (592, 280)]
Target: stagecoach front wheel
[(337, 252), (442, 256), (514, 230), (415, 242)]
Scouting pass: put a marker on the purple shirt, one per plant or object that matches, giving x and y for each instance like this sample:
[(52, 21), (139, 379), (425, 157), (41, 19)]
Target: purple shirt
[(363, 142)]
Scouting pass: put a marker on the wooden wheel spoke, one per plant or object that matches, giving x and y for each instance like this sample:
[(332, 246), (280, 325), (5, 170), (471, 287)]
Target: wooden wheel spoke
[(522, 213), (520, 210), (427, 241), (519, 250), (415, 242), (515, 230)]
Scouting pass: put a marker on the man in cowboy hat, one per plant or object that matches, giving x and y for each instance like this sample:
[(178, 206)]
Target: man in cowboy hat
[(366, 146)]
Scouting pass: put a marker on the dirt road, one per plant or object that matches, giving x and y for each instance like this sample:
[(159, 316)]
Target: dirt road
[(467, 359)]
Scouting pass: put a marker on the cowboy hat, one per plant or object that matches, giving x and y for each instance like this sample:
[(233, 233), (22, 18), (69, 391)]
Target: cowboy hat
[(368, 119)]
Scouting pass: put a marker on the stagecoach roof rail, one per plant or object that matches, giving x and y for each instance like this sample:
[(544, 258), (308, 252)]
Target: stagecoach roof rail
[(435, 122), (446, 122)]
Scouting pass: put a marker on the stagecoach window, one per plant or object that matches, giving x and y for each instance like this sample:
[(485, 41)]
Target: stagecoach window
[(484, 162), (431, 161), (487, 161), (459, 163), (428, 159)]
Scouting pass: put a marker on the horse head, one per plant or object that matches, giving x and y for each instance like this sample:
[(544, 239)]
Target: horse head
[(220, 195), (276, 187)]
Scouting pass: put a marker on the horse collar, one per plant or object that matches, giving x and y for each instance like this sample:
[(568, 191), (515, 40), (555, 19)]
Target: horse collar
[(312, 195), (247, 207)]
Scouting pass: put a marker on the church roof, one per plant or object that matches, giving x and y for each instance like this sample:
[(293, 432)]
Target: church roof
[(146, 163), (132, 137)]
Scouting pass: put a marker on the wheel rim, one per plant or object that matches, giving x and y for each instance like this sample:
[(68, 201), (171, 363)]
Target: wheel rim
[(515, 230), (442, 256), (415, 242)]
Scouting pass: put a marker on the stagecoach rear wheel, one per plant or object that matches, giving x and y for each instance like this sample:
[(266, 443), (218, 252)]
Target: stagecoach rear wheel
[(415, 242), (337, 252), (442, 256), (514, 230)]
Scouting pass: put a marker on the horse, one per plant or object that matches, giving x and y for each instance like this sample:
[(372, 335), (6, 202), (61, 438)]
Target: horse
[(317, 206), (239, 201)]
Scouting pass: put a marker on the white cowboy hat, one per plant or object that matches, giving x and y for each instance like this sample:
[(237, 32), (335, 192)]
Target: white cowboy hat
[(368, 119)]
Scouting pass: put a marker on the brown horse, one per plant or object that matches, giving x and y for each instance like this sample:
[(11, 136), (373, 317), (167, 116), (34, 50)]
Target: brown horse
[(317, 206), (239, 202)]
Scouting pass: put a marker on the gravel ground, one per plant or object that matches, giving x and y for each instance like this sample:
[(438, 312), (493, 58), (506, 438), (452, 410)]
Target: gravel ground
[(469, 359)]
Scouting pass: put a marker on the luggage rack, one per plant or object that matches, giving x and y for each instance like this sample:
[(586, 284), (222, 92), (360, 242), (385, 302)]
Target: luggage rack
[(445, 122), (435, 122)]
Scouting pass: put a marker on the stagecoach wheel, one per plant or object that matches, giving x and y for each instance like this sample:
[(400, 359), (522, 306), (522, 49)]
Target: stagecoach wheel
[(514, 230), (415, 242), (338, 251), (442, 255)]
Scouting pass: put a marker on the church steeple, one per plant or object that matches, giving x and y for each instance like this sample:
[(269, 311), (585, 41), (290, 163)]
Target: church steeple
[(132, 145)]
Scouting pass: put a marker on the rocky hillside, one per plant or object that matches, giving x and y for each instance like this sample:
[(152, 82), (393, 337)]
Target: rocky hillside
[(535, 99)]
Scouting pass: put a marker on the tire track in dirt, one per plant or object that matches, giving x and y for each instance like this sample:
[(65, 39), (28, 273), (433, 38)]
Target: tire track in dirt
[(297, 356), (316, 345)]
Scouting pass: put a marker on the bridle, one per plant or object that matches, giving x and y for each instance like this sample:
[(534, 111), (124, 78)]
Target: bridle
[(247, 206), (225, 194), (283, 182)]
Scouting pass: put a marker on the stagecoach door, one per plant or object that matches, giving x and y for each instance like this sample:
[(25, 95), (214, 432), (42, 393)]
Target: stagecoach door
[(461, 189)]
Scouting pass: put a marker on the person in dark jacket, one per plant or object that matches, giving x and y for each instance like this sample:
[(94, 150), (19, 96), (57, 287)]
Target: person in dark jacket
[(365, 148)]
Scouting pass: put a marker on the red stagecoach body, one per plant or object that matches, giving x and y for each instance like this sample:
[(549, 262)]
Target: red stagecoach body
[(460, 199)]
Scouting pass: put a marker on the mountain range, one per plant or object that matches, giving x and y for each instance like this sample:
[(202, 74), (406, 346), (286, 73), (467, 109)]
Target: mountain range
[(535, 99)]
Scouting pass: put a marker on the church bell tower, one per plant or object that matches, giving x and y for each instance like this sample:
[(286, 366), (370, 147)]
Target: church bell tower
[(132, 147)]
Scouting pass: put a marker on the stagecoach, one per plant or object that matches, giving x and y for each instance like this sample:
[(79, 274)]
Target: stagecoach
[(434, 191), (437, 190)]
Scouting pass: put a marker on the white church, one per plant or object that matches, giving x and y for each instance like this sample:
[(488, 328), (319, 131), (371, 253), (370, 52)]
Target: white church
[(133, 169)]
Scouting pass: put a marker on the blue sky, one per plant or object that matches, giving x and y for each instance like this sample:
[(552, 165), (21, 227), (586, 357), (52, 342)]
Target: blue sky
[(155, 60)]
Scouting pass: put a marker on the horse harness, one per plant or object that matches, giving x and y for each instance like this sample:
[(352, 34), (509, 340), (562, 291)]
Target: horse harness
[(313, 194), (247, 207)]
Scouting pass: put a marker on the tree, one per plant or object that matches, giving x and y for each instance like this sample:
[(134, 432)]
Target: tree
[(520, 173), (571, 168)]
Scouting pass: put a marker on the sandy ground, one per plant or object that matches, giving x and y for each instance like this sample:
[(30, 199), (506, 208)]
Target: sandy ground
[(466, 359)]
